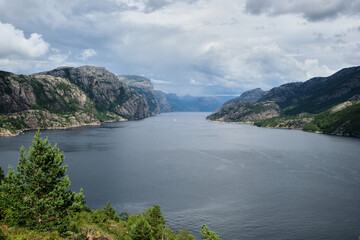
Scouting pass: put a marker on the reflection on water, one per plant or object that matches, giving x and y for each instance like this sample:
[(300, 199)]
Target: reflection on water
[(242, 181)]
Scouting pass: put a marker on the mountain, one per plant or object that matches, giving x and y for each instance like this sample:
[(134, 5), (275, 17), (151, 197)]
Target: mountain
[(66, 97), (31, 102), (249, 96), (105, 89), (143, 87), (163, 102), (316, 94), (244, 112), (245, 108), (194, 104), (160, 102), (323, 104)]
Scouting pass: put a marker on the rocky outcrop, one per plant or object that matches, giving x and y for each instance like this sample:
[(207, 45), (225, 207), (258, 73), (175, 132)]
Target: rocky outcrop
[(245, 112), (163, 103), (105, 89), (143, 87)]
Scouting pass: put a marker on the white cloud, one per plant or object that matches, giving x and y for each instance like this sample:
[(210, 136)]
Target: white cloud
[(214, 42), (87, 53), (194, 82), (58, 58), (13, 43), (312, 68), (157, 81)]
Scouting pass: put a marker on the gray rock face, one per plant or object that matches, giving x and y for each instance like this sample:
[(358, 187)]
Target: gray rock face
[(104, 88), (163, 103), (355, 97), (31, 102), (19, 93), (143, 87), (15, 96)]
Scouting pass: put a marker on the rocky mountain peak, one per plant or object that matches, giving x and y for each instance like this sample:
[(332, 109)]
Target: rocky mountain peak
[(105, 89), (248, 96)]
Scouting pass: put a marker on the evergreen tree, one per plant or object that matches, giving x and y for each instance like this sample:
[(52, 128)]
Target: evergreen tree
[(36, 195), (110, 212), (207, 234), (156, 221), (141, 230)]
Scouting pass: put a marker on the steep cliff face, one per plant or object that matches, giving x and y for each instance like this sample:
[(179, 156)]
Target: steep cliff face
[(143, 87), (163, 102), (104, 88), (31, 102), (20, 92)]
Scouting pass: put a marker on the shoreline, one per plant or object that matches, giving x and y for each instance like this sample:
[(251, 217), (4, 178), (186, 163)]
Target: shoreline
[(4, 132), (298, 129)]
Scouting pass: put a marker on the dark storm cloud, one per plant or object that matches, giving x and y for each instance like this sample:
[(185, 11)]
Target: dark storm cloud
[(312, 10)]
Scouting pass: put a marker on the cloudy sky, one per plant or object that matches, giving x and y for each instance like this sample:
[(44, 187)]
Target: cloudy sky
[(198, 47)]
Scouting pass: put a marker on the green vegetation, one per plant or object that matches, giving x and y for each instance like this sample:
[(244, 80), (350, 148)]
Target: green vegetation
[(282, 122), (311, 127), (345, 121), (207, 234), (104, 116), (12, 124), (35, 195), (269, 122), (35, 204), (63, 86), (141, 230), (4, 74), (1, 174)]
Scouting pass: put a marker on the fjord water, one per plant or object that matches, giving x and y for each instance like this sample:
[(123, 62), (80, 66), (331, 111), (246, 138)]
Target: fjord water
[(242, 181)]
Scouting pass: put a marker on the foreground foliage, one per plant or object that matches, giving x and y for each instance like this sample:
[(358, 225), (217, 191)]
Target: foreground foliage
[(35, 204), (36, 195)]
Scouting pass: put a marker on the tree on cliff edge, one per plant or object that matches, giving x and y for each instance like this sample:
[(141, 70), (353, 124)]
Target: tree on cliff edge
[(36, 195)]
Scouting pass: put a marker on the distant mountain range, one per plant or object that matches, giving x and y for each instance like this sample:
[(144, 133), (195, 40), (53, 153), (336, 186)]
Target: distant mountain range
[(195, 104), (323, 104), (88, 95)]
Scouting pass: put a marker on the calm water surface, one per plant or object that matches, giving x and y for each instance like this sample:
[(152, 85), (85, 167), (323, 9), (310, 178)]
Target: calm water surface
[(242, 181)]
